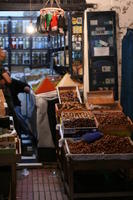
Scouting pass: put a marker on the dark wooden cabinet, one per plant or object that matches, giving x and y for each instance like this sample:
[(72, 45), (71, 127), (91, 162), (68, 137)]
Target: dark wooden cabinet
[(102, 51)]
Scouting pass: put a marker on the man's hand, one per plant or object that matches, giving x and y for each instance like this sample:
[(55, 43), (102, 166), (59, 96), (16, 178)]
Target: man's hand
[(27, 89)]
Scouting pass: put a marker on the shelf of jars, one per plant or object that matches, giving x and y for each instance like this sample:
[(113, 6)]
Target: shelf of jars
[(31, 50)]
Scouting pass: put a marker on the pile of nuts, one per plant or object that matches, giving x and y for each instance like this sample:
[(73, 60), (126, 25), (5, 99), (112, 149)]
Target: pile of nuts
[(116, 120), (78, 119), (108, 144)]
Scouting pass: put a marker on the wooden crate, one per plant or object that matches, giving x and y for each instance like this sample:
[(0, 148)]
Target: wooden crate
[(68, 89), (100, 97), (114, 123), (75, 167), (2, 101)]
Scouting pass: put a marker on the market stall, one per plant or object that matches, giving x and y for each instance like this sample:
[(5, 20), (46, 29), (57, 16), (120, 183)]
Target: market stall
[(95, 151)]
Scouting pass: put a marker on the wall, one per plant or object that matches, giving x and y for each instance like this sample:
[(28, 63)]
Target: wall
[(124, 10)]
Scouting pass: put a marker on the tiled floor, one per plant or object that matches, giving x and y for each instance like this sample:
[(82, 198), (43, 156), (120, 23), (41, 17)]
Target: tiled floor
[(41, 184)]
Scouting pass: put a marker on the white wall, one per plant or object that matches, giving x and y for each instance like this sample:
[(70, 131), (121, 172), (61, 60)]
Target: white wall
[(124, 10)]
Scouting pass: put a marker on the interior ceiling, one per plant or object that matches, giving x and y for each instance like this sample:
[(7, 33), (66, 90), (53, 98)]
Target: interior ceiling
[(75, 5), (41, 1), (21, 1)]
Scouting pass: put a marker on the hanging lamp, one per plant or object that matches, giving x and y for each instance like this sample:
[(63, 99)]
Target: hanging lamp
[(30, 28)]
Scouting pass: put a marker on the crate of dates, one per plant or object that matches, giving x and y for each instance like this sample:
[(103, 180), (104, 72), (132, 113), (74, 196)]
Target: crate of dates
[(108, 147), (77, 120), (69, 94), (68, 106), (116, 123)]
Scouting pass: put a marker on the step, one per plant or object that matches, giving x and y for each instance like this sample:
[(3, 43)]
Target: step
[(26, 142), (29, 165), (23, 136)]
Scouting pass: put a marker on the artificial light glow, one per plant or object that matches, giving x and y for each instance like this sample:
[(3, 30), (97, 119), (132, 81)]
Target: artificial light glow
[(30, 28)]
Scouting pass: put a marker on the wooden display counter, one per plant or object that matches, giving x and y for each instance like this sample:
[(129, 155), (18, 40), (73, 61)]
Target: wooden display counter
[(78, 172), (9, 158), (95, 175)]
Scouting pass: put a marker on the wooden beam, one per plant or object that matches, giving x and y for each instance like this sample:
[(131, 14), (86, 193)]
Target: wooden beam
[(36, 7), (19, 7)]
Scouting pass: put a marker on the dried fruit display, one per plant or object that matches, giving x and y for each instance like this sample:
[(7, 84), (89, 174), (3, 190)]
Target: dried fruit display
[(108, 144), (77, 119), (112, 120), (68, 96), (67, 106)]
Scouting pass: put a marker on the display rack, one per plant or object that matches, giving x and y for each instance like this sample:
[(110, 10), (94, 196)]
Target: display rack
[(76, 45), (102, 51)]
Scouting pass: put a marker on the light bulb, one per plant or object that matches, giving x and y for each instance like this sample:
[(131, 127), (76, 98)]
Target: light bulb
[(30, 28)]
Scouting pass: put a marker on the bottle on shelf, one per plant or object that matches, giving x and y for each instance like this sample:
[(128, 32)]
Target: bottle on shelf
[(62, 58), (45, 42), (20, 43), (25, 25), (38, 43), (66, 39), (26, 43), (20, 26), (26, 58), (1, 42), (20, 58), (1, 26), (33, 43), (13, 42), (17, 27), (62, 41), (14, 23), (13, 58), (6, 59), (6, 43), (43, 58), (42, 42), (67, 58), (5, 27)]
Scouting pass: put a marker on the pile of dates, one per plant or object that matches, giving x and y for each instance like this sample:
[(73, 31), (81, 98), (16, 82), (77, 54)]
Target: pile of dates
[(112, 120), (78, 119), (68, 95), (108, 144), (71, 106)]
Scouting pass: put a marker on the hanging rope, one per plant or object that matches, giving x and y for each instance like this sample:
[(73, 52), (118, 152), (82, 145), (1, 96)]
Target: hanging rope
[(57, 2), (51, 3), (46, 3)]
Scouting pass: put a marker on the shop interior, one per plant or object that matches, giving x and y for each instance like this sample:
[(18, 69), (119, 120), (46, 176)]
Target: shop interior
[(66, 96)]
